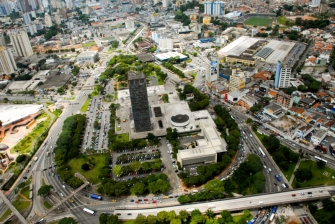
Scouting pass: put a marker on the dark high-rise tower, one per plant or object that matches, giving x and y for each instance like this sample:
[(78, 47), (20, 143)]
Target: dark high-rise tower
[(139, 101)]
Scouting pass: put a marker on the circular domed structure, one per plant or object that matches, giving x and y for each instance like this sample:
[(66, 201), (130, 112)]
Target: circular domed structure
[(3, 146), (180, 120)]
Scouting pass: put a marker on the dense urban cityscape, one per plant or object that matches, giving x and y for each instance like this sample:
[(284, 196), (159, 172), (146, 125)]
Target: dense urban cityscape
[(144, 112)]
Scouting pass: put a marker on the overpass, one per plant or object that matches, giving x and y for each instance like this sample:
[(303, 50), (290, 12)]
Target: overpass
[(11, 207), (233, 204)]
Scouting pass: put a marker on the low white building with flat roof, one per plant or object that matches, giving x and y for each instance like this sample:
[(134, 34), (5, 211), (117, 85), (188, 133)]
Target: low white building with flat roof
[(318, 136), (206, 150), (88, 56)]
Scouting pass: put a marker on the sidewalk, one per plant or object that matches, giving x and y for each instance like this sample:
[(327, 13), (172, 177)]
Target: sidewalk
[(296, 167)]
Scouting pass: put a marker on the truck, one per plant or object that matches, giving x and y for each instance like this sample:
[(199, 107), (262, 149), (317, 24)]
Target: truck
[(274, 209), (272, 217), (36, 158), (262, 213), (48, 153), (94, 196), (278, 177), (304, 141)]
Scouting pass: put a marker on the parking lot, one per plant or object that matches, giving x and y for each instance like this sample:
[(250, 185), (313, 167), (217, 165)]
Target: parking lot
[(97, 126)]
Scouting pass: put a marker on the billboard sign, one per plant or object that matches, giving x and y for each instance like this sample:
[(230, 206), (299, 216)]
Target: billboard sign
[(214, 68)]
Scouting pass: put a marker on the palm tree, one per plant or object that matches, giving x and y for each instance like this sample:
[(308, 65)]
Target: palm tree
[(210, 213)]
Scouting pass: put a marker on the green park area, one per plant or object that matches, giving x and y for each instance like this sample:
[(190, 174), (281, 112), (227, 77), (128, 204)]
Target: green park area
[(25, 145), (25, 192), (84, 107), (21, 204), (255, 21), (96, 163), (123, 137), (89, 44), (320, 175), (47, 205), (286, 22), (5, 215)]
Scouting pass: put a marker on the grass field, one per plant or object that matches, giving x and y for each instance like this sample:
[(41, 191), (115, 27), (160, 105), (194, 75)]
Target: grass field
[(25, 191), (24, 146), (47, 205), (89, 44), (93, 174), (84, 107), (255, 21), (288, 173), (20, 204), (5, 215), (123, 137), (321, 176)]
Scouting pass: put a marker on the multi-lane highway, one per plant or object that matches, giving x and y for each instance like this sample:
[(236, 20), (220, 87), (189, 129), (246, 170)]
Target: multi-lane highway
[(234, 204)]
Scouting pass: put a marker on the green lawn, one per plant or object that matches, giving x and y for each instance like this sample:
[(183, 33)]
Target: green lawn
[(92, 175), (70, 98), (89, 44), (288, 173), (255, 21), (321, 176), (321, 215), (24, 146), (5, 215), (25, 191), (47, 205), (188, 60), (43, 182), (21, 205), (123, 137), (84, 107), (283, 21), (260, 136)]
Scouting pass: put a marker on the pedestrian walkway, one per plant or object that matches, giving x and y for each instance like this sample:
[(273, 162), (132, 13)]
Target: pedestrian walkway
[(296, 167)]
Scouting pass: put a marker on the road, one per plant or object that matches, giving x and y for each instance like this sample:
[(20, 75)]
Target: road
[(233, 204)]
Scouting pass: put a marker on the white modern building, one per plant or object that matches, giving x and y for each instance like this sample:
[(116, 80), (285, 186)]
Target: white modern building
[(88, 56), (206, 149), (7, 62), (130, 24), (26, 19), (21, 43), (31, 28), (318, 136), (214, 8), (126, 7), (165, 3), (315, 3), (283, 76), (47, 20), (154, 18), (165, 44)]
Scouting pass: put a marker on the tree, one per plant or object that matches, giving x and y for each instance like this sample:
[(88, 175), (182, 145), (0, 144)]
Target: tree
[(67, 220), (135, 165), (96, 124), (226, 216), (118, 170), (214, 186), (60, 90), (303, 174), (138, 188), (328, 205), (73, 50), (20, 158), (85, 167), (312, 208), (175, 221), (162, 217), (183, 215), (210, 213), (321, 164), (280, 219), (151, 219), (44, 190), (140, 219), (249, 121)]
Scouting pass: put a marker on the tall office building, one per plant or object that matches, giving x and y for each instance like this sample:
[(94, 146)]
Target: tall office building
[(139, 101), (323, 7), (283, 75), (2, 40), (214, 8), (315, 3), (47, 20), (26, 18), (165, 3), (21, 43), (236, 81), (33, 4), (7, 62), (126, 7)]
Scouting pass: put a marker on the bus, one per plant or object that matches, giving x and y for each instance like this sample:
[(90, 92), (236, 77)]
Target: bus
[(274, 209), (89, 211), (272, 217), (320, 159), (31, 187), (261, 151)]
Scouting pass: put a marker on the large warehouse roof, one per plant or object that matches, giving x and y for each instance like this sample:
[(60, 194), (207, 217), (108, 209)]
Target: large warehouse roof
[(238, 46), (202, 152), (280, 50), (12, 113), (166, 56)]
